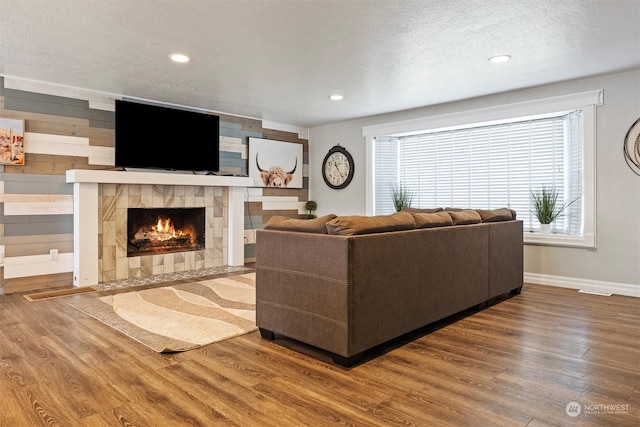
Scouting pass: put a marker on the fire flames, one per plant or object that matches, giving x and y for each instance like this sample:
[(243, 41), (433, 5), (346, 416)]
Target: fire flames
[(164, 230)]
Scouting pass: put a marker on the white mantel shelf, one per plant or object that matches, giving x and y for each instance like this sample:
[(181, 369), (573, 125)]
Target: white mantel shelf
[(158, 178), (85, 211)]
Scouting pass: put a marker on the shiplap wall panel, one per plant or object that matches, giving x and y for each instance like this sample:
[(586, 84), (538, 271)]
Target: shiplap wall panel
[(65, 133), (101, 119), (233, 145), (105, 156), (280, 205), (268, 214), (101, 137), (36, 204), (57, 128), (300, 193), (74, 124), (39, 248), (37, 225), (33, 86), (237, 132), (37, 244), (37, 238), (246, 124), (233, 160), (62, 145), (46, 164), (34, 184), (36, 265), (44, 104)]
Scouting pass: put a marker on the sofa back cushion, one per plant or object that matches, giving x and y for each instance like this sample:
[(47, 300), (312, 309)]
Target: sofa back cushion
[(349, 225), (435, 219), (421, 210), (495, 215), (465, 216), (284, 223)]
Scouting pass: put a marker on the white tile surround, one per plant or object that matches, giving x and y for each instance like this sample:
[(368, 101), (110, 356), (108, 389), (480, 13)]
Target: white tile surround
[(150, 189)]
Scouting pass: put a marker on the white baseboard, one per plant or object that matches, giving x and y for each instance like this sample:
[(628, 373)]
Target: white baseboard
[(588, 285), (37, 265)]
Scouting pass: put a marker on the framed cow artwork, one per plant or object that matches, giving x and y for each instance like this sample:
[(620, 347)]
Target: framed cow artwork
[(275, 163)]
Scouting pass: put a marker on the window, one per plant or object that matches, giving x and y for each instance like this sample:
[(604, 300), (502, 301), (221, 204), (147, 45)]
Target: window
[(465, 160)]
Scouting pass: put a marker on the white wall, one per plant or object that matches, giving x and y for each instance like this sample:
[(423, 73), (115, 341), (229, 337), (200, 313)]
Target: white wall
[(614, 265)]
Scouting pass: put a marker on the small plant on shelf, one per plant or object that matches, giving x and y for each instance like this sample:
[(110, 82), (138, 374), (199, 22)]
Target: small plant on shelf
[(546, 206), (310, 206)]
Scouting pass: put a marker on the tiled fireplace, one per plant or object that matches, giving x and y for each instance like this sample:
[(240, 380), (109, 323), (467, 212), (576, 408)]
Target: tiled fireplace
[(115, 203), (102, 200)]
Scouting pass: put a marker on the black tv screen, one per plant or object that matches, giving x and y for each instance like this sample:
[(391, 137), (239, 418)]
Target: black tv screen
[(150, 136)]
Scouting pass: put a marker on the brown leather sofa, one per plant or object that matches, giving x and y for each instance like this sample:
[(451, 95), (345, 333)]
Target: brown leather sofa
[(351, 291)]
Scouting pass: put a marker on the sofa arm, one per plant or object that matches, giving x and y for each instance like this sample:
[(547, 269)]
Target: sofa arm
[(505, 257), (302, 288)]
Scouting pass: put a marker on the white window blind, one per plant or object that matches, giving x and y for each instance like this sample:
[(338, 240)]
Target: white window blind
[(487, 167), (386, 165)]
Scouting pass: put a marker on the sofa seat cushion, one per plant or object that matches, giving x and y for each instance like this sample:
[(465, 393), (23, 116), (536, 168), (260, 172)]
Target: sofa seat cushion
[(349, 225), (495, 215), (465, 216), (435, 219), (315, 225)]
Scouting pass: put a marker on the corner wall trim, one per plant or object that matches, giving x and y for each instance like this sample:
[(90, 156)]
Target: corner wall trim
[(626, 289)]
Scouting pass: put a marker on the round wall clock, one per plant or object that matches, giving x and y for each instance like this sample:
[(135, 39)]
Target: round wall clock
[(337, 167), (632, 147)]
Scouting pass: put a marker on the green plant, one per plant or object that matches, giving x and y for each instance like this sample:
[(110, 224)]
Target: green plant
[(545, 204), (402, 196), (310, 206)]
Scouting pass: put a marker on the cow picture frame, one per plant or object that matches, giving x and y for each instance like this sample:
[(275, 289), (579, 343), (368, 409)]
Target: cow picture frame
[(11, 141), (276, 164)]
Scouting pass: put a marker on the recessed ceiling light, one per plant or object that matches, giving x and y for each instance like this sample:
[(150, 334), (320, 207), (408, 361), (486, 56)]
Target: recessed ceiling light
[(179, 57), (336, 97), (500, 58)]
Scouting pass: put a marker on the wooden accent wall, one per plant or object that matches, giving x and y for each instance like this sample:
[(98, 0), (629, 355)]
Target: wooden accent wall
[(36, 203)]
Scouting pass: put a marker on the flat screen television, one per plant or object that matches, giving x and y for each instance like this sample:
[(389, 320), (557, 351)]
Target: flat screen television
[(151, 136)]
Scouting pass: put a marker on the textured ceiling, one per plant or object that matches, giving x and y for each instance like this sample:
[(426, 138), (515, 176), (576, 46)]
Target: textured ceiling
[(280, 60)]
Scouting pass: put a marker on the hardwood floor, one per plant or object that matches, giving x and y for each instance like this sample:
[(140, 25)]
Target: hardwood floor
[(519, 362)]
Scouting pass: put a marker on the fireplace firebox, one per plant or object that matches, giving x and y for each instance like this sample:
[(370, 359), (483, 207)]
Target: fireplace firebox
[(163, 230)]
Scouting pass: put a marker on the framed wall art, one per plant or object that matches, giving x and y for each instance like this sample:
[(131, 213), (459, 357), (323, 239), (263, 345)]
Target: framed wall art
[(275, 163), (11, 141)]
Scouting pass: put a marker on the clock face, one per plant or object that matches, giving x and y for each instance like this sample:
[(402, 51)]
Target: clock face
[(337, 169)]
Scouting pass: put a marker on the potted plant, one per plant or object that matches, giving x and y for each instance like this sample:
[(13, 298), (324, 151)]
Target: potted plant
[(310, 206), (402, 196), (546, 206)]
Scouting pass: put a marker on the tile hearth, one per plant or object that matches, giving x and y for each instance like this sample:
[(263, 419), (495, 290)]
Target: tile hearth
[(161, 278)]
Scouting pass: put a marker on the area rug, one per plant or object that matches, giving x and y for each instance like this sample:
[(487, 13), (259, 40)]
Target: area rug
[(182, 316)]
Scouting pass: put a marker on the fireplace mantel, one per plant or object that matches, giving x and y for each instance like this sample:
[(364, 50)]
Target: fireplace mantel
[(85, 212), (156, 178)]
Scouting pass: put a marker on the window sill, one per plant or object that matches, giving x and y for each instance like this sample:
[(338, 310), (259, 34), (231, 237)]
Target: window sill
[(562, 240)]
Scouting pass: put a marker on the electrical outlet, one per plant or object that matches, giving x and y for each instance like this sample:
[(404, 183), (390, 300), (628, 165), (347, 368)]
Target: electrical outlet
[(250, 237), (53, 254)]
